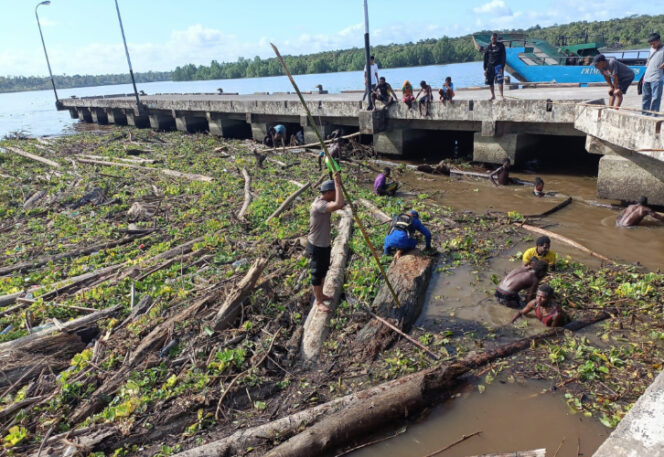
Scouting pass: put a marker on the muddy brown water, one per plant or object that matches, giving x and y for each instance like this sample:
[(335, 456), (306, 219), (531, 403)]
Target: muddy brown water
[(514, 416)]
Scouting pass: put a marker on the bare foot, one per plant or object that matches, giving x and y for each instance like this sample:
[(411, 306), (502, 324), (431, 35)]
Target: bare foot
[(323, 308), (492, 98)]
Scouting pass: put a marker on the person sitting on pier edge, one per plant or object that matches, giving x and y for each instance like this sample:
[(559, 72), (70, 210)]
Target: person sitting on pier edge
[(618, 75), (524, 277), (426, 99), (538, 191), (494, 65), (447, 91), (382, 186), (402, 234), (541, 251), (278, 133), (384, 93), (407, 91), (546, 310), (503, 173), (318, 247), (634, 214)]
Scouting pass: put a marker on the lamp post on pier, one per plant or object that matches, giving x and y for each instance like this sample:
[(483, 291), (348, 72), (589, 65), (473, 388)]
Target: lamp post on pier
[(367, 54), (131, 71), (57, 100)]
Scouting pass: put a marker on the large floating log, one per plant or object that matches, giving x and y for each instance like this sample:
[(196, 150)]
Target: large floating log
[(552, 210), (165, 171), (314, 145), (28, 155), (288, 201), (398, 402), (409, 276), (565, 240), (316, 326)]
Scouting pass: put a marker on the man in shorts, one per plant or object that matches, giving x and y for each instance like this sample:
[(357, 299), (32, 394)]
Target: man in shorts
[(494, 65), (384, 93), (331, 199), (618, 75), (426, 99)]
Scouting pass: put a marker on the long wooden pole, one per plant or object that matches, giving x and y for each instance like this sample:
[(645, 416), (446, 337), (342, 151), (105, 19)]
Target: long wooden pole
[(565, 240), (331, 160)]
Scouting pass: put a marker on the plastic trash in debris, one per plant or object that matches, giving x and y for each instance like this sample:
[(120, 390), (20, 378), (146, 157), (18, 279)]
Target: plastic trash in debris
[(7, 329), (164, 352), (240, 262)]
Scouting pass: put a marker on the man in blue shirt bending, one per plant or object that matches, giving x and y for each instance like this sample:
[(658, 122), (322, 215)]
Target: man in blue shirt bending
[(402, 234)]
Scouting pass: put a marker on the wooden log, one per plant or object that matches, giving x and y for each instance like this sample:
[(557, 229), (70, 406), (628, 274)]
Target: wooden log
[(28, 155), (34, 199), (247, 195), (14, 407), (409, 276), (375, 211), (552, 210), (165, 171), (230, 309), (278, 162), (565, 240), (419, 391), (533, 453), (456, 171), (40, 261), (316, 325), (387, 163), (121, 159), (286, 203), (317, 144)]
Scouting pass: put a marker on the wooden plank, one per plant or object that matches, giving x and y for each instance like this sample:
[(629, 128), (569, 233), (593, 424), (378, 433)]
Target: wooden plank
[(534, 453), (28, 155)]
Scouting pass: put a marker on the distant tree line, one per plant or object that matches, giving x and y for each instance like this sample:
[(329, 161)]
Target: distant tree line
[(627, 32), (21, 83)]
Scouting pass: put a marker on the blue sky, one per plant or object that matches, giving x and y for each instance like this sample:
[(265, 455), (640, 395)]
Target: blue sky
[(83, 36)]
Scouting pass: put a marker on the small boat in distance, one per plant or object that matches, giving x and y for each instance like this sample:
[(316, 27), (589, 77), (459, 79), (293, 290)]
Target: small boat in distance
[(535, 60)]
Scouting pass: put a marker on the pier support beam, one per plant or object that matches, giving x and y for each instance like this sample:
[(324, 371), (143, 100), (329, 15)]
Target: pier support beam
[(493, 149), (99, 116), (73, 113), (228, 128), (140, 121), (159, 121), (84, 114), (116, 116), (191, 124), (628, 176), (258, 131)]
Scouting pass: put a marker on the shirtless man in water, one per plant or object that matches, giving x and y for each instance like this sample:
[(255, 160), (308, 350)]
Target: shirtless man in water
[(503, 173), (525, 277), (635, 213)]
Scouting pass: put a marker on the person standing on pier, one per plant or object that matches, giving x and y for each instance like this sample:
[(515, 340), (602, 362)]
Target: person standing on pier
[(372, 75), (654, 75), (318, 249), (494, 65), (618, 75), (634, 214)]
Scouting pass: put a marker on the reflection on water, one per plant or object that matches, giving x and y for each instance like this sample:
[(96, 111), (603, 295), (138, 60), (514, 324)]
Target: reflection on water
[(511, 417)]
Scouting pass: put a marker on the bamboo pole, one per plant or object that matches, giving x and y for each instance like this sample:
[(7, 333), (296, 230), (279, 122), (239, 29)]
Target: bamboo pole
[(346, 195)]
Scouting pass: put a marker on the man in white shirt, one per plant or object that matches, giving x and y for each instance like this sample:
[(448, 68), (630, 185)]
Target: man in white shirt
[(373, 77), (654, 75)]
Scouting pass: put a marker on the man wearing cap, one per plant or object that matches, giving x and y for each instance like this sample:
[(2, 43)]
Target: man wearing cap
[(617, 74), (652, 79), (330, 200), (402, 234)]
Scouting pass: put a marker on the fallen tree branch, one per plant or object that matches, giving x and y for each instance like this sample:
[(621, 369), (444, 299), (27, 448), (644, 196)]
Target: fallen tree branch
[(165, 171), (317, 144), (135, 161), (552, 210), (565, 240), (28, 155), (316, 326), (456, 171), (375, 211), (460, 440), (247, 195), (287, 202)]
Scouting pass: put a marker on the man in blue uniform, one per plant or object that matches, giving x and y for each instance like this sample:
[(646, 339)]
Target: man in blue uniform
[(402, 234)]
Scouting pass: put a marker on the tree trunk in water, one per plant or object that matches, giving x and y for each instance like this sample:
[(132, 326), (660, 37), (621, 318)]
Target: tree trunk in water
[(409, 276), (401, 401), (315, 327)]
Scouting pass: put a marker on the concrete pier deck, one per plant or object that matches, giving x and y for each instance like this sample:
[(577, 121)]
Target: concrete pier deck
[(631, 144)]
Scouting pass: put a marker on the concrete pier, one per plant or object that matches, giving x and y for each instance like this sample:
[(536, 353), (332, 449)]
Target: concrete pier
[(631, 144)]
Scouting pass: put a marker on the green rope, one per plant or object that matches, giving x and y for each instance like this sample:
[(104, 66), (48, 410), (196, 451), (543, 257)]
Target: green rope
[(331, 160)]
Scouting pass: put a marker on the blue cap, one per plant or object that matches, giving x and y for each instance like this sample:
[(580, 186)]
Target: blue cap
[(414, 213)]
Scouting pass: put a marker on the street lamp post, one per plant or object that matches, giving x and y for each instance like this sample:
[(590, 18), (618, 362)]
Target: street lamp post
[(47, 2), (131, 71), (367, 54)]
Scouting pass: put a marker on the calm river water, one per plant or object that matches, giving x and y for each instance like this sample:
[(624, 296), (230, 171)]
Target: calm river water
[(34, 112)]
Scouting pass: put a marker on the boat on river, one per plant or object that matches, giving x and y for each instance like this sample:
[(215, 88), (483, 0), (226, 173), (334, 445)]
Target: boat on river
[(535, 60)]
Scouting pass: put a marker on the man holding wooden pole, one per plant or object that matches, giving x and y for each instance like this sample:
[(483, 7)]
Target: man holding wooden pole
[(319, 247)]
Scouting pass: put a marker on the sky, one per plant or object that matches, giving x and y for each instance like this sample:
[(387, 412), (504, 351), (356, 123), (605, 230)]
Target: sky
[(83, 36)]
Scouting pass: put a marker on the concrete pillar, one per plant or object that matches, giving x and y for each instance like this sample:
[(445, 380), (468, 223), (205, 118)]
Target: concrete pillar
[(73, 113), (116, 116), (493, 149), (140, 121), (627, 178), (310, 135), (371, 121), (160, 121), (228, 128), (258, 131), (84, 114), (390, 141), (99, 116), (191, 124)]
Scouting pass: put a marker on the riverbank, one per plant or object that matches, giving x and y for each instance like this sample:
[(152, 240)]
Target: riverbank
[(162, 376)]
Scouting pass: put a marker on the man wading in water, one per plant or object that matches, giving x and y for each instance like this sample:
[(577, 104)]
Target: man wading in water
[(526, 277), (635, 213), (330, 200), (546, 310)]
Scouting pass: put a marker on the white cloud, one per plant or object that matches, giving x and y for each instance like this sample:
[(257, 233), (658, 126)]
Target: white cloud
[(494, 7)]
